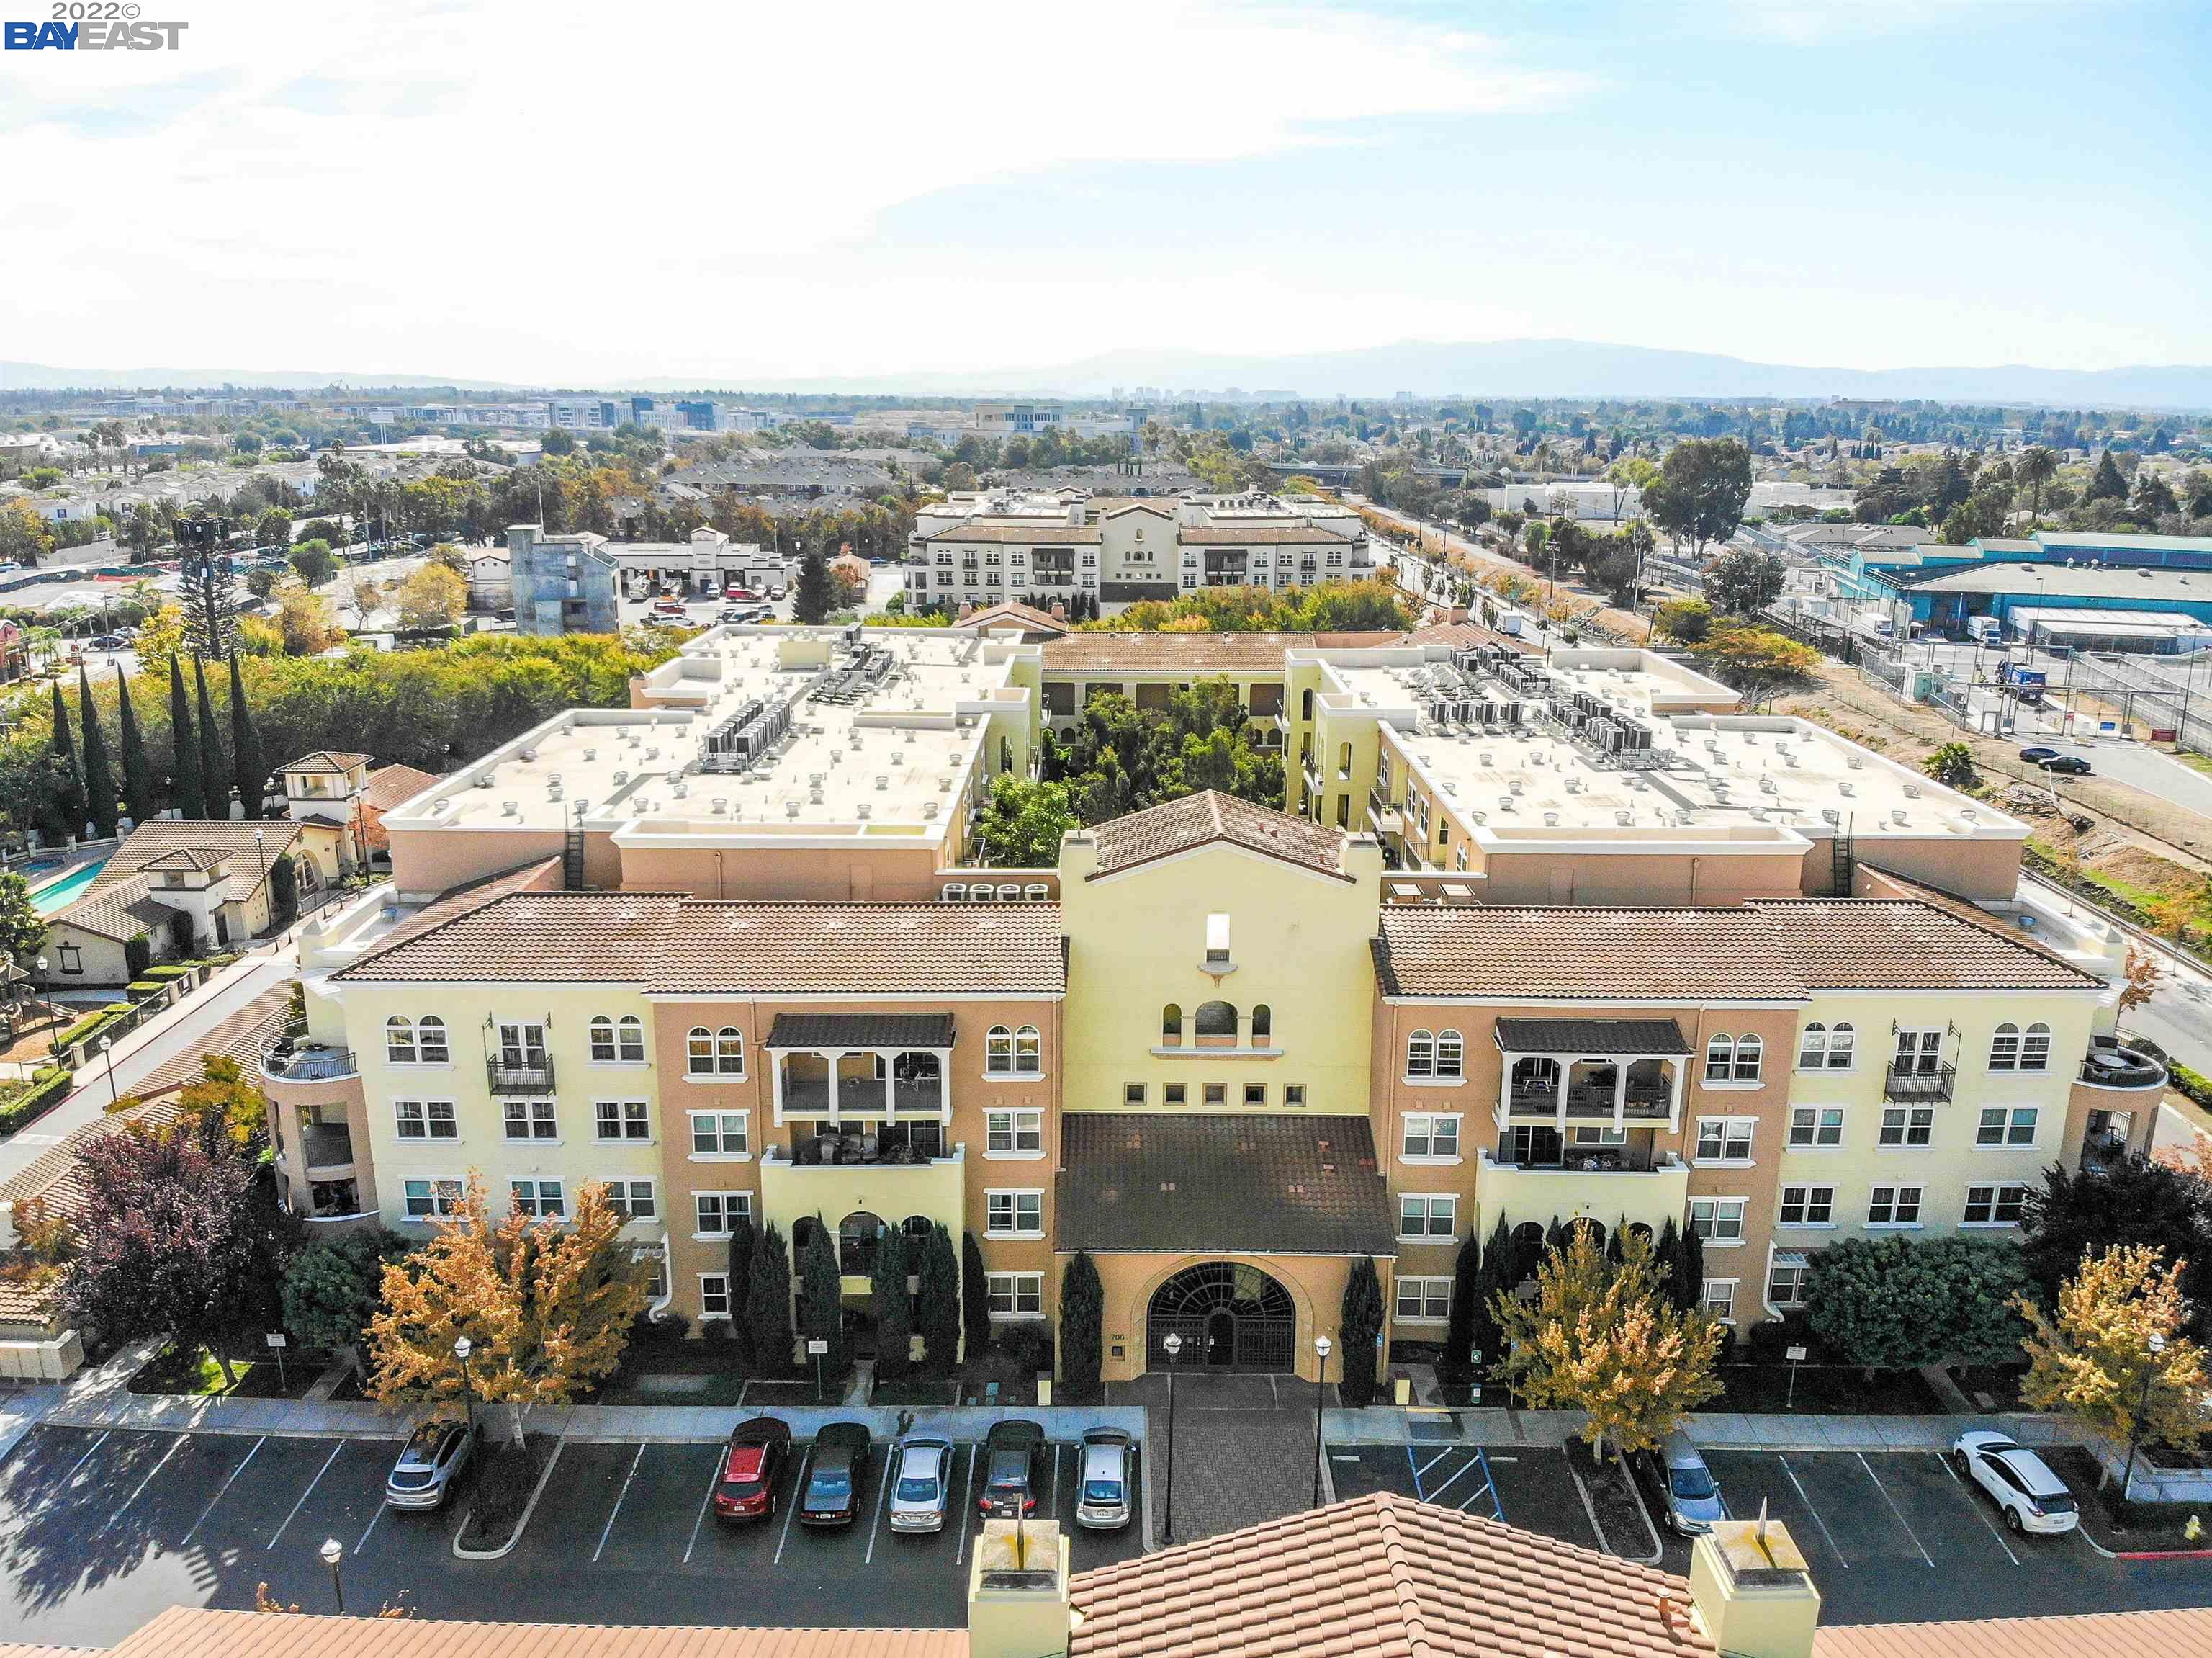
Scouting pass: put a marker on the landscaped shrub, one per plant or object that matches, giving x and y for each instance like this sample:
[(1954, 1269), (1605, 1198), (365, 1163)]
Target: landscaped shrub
[(1027, 1345), (1082, 1328), (139, 989), (44, 1091)]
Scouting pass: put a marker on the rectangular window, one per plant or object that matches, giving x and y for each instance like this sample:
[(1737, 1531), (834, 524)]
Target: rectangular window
[(714, 1295), (1785, 1283), (426, 1119), (2001, 1127), (531, 1119), (1994, 1205), (632, 1199), (1816, 1125), (623, 1120), (1015, 1295), (1421, 1216), (1718, 1218), (1806, 1205), (1132, 1094), (540, 1198), (1255, 1094), (1893, 1205), (1908, 1125), (720, 1134), (1725, 1139), (1718, 1298), (718, 1213), (1431, 1136), (1012, 1214), (1174, 1094), (1294, 1093), (1600, 1136), (430, 1200), (1217, 1094), (1423, 1300), (1021, 1133)]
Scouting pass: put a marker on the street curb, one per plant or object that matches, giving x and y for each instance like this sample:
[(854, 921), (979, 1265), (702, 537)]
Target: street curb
[(1598, 1530), (521, 1524), (2158, 1554)]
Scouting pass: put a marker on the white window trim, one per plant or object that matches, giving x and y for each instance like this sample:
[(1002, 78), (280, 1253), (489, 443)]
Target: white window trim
[(696, 1155), (1397, 1287), (1734, 1284), (1809, 1187), (1017, 1193), (433, 1218), (651, 1123), (1016, 1155), (1717, 1199), (1733, 1086), (1434, 1082), (1451, 1198), (722, 1236), (1697, 1162), (729, 1312), (1432, 1159), (1016, 1316)]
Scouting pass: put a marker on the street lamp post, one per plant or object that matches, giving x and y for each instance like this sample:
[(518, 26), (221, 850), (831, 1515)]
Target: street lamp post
[(1321, 1394), (332, 1551), (260, 848), (107, 1047), (1172, 1343), (462, 1349), (2157, 1343)]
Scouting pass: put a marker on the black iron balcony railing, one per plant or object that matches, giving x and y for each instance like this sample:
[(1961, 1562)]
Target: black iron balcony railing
[(531, 1076), (1918, 1082)]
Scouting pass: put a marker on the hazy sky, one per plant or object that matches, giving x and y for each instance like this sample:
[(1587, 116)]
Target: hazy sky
[(550, 192)]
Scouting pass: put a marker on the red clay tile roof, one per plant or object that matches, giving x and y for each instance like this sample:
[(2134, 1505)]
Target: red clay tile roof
[(861, 950), (393, 785), (2164, 1634), (1178, 825), (530, 937), (1382, 1577), (1547, 955), (1861, 944), (1027, 617), (237, 1037), (323, 763), (1199, 535), (152, 842)]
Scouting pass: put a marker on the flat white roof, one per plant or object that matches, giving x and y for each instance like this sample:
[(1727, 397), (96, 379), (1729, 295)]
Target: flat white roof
[(2144, 624)]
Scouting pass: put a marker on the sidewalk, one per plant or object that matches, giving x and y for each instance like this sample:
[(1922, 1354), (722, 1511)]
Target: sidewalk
[(1719, 1430)]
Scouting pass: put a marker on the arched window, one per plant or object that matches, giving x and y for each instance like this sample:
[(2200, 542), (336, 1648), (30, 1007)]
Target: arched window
[(699, 1052), (1451, 1053), (430, 1038), (1216, 1018), (1421, 1054), (630, 1039), (802, 1233), (1813, 1047), (730, 1052), (2035, 1048), (1171, 1025), (2004, 1048), (603, 1040), (999, 1051), (1029, 1052), (1263, 1026), (1305, 704), (1841, 1041), (1749, 1050), (1343, 761), (918, 1227), (1720, 1057), (399, 1042)]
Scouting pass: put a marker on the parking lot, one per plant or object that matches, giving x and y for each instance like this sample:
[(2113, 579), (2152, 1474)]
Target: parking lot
[(99, 1531), (1891, 1536)]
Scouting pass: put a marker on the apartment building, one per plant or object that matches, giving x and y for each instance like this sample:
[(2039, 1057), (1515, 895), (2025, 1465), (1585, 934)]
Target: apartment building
[(728, 952), (980, 548)]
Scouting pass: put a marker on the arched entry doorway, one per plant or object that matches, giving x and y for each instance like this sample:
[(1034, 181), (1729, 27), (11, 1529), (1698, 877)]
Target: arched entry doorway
[(1230, 1317)]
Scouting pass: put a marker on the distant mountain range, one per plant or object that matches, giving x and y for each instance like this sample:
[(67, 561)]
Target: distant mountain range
[(1496, 369)]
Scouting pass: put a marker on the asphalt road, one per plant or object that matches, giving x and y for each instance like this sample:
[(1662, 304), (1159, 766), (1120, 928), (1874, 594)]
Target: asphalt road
[(98, 1531)]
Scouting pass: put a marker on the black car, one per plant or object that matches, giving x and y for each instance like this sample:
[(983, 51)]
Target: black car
[(834, 1476), (2037, 756), (1011, 1452), (2072, 766), (752, 1464)]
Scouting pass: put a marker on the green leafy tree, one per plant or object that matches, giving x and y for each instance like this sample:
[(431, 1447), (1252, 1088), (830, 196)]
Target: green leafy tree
[(816, 595), (2133, 1200), (1744, 580), (767, 1304), (2106, 483), (1756, 661), (22, 929), (138, 796), (1895, 1303), (2033, 469), (334, 1286), (313, 562), (821, 1297), (1023, 821), (1952, 765), (1701, 489), (251, 765), (894, 1304), (1082, 1328), (99, 780), (186, 792), (937, 1310), (215, 768), (975, 1298), (1359, 1321)]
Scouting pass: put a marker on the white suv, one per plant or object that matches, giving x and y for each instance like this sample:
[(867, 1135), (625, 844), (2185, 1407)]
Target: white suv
[(2033, 1499)]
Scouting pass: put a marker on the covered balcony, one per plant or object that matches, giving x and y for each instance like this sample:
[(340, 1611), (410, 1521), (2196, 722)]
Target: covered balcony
[(834, 1066), (326, 1149), (1591, 1071), (1633, 1182), (2109, 1068), (859, 1199)]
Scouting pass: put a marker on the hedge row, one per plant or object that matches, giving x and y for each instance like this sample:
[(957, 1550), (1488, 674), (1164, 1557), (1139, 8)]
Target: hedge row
[(45, 1092)]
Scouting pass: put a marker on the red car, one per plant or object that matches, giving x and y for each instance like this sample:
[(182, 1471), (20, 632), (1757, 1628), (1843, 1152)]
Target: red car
[(739, 592), (750, 1467)]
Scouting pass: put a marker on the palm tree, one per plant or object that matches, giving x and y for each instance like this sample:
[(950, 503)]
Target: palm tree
[(2035, 466)]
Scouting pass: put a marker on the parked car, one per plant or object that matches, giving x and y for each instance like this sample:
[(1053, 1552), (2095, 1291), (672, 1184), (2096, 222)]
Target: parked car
[(776, 591), (428, 1465), (1109, 1470), (2033, 1499), (735, 593), (924, 1474), (2037, 756), (669, 608), (107, 642), (2072, 766), (1011, 1451), (1681, 1485), (834, 1470), (750, 1467)]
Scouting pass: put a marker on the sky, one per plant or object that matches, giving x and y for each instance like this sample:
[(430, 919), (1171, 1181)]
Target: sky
[(541, 192)]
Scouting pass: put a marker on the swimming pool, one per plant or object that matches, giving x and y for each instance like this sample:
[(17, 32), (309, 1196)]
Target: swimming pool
[(64, 890)]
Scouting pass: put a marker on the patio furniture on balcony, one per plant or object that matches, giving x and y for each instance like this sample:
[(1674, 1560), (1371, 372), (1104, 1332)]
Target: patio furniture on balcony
[(2109, 1066)]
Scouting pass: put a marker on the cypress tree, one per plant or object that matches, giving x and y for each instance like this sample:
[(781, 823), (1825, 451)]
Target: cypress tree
[(821, 1300), (744, 1242), (65, 816), (186, 792), (767, 1304), (99, 780), (815, 595), (1690, 1276), (215, 769), (250, 768), (894, 1304), (1359, 1321), (1466, 1308), (975, 1298), (1082, 1328), (939, 1314), (137, 774)]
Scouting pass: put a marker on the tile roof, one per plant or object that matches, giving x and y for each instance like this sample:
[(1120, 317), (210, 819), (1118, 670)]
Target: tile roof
[(1169, 1183), (150, 842), (198, 1633), (861, 950), (1663, 1037), (394, 785), (123, 911), (860, 1030), (239, 1036), (1179, 653), (1878, 945), (531, 937), (1028, 617), (1382, 1576), (325, 762), (2162, 1634), (1179, 825), (1039, 534)]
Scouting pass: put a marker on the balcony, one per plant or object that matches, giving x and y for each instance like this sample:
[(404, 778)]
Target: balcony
[(896, 1144), (1919, 1083), (1608, 1184), (532, 1074), (325, 1147), (2109, 1068), (295, 1056), (858, 1200)]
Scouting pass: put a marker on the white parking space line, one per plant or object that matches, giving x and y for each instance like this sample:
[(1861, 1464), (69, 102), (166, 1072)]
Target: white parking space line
[(1421, 1472), (967, 1508), (305, 1495), (140, 1489), (1807, 1498), (224, 1487), (70, 1477), (1052, 1507), (714, 1479), (882, 1508), (798, 1495), (1453, 1478), (1894, 1509), (606, 1530), (1973, 1501), (373, 1520)]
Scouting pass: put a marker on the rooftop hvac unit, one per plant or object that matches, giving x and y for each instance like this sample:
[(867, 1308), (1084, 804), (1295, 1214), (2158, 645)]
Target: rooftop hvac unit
[(929, 811), (865, 812), (1912, 791), (1845, 790), (1624, 818), (882, 782), (526, 754), (509, 809), (721, 806), (1897, 816), (1830, 816), (622, 777), (791, 808), (591, 753), (814, 796), (485, 781), (680, 789)]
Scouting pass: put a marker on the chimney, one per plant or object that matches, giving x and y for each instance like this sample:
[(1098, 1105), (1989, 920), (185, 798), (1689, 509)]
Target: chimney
[(1018, 1604), (1751, 1590)]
